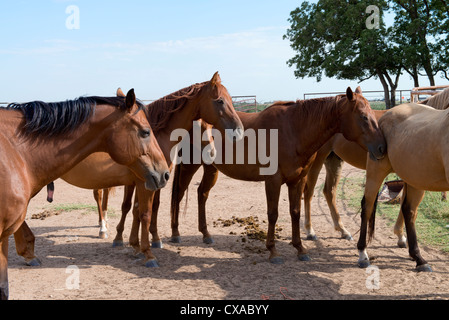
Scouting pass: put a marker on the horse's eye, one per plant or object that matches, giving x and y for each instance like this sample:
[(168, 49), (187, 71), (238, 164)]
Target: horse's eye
[(220, 101), (145, 133), (365, 118)]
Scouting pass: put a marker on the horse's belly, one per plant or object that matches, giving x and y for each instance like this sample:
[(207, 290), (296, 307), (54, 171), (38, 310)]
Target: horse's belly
[(424, 175), (98, 172)]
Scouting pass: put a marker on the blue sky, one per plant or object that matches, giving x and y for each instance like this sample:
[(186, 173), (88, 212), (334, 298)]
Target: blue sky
[(156, 47)]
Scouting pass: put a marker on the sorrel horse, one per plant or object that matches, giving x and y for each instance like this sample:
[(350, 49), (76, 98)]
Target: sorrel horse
[(408, 128), (303, 127), (209, 101), (41, 141), (332, 155)]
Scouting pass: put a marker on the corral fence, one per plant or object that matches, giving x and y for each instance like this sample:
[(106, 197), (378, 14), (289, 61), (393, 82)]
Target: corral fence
[(245, 103), (376, 98), (422, 93)]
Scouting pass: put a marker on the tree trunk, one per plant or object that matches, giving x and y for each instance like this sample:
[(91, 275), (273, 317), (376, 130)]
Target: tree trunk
[(386, 89)]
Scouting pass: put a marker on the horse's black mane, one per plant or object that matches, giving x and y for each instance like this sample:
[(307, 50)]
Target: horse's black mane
[(58, 118)]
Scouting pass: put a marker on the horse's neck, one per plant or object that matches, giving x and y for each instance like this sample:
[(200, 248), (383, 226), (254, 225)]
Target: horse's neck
[(316, 128), (182, 119), (50, 158)]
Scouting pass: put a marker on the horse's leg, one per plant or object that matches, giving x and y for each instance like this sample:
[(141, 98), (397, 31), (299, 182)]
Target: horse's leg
[(273, 191), (376, 173), (156, 241), (312, 178), (145, 200), (134, 234), (295, 191), (207, 183), (181, 181), (333, 166), (413, 198), (4, 286), (126, 207), (24, 239), (399, 226), (98, 196)]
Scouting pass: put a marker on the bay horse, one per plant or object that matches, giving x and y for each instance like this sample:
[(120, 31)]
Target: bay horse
[(41, 141), (332, 155), (303, 127), (209, 101), (101, 196), (408, 128)]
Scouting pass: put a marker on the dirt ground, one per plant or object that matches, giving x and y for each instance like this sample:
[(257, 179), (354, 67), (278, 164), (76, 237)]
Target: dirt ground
[(230, 269)]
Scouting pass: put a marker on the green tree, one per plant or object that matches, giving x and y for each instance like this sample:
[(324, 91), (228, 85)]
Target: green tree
[(335, 39), (332, 38), (420, 31)]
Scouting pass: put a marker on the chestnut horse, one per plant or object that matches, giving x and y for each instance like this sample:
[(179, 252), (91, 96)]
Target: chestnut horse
[(209, 101), (408, 128), (303, 127), (41, 141), (332, 154)]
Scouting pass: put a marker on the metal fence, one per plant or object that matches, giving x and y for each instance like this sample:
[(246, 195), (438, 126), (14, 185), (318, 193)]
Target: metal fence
[(245, 103), (376, 98)]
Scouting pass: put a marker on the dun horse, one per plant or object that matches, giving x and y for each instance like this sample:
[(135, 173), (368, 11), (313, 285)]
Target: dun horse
[(209, 101), (408, 128), (332, 154), (303, 127), (41, 141)]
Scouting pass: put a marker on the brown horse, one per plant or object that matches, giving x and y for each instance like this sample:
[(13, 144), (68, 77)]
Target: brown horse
[(101, 196), (209, 101), (303, 127), (408, 128), (41, 141), (332, 155)]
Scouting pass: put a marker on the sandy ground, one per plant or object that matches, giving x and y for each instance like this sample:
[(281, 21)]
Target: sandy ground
[(231, 268)]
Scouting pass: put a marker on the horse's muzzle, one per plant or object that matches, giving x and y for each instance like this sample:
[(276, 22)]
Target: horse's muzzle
[(155, 180)]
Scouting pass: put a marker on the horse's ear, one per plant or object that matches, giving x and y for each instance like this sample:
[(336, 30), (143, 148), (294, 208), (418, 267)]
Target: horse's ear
[(350, 94), (358, 90), (130, 100), (120, 93), (215, 79)]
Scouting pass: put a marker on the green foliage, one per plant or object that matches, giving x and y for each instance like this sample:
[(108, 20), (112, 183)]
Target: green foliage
[(331, 38)]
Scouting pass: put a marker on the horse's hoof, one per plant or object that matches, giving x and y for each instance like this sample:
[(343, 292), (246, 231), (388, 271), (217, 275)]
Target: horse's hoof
[(152, 263), (35, 262), (103, 235), (312, 237), (304, 257), (364, 264), (424, 268), (175, 239), (277, 260), (117, 243), (347, 237), (402, 245), (208, 240), (157, 245)]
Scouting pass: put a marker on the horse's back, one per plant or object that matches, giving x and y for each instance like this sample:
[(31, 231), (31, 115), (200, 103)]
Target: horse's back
[(417, 142)]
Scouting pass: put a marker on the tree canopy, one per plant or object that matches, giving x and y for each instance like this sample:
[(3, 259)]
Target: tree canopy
[(350, 40)]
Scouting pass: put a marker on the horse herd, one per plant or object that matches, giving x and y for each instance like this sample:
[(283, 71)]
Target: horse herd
[(98, 143)]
